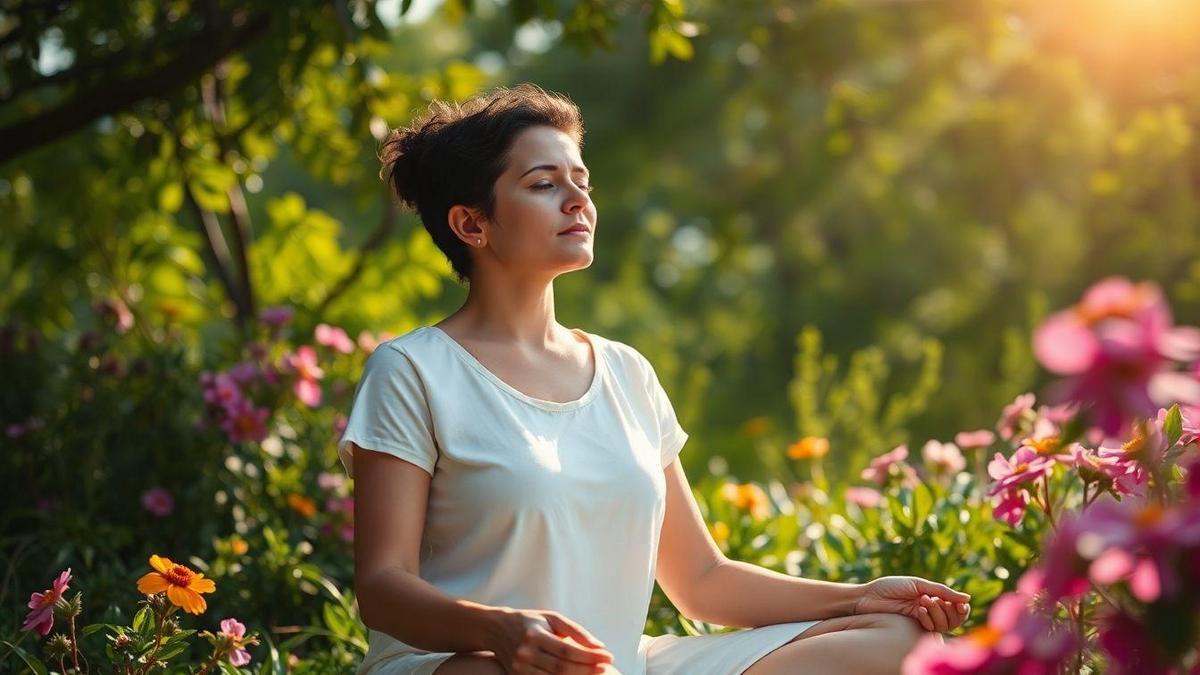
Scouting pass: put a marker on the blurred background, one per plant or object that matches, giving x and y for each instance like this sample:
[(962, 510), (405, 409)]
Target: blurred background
[(828, 218)]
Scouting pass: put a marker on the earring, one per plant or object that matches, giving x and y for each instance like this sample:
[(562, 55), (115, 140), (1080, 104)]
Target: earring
[(478, 240)]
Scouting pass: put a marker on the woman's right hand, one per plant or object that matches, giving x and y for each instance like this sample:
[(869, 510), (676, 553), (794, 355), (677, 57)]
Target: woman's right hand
[(537, 642)]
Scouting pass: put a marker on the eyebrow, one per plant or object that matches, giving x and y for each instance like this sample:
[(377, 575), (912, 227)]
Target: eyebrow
[(552, 167)]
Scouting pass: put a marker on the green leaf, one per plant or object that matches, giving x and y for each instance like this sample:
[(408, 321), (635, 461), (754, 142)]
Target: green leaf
[(1173, 425), (30, 662), (141, 620)]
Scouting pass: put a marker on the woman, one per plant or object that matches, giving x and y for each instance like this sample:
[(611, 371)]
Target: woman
[(517, 485)]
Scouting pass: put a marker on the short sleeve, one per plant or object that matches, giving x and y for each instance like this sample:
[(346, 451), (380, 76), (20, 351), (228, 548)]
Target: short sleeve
[(672, 436), (390, 412)]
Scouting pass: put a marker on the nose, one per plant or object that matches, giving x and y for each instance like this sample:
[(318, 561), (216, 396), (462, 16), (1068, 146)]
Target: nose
[(576, 200)]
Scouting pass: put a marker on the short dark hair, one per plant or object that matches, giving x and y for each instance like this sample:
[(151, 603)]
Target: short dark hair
[(453, 154)]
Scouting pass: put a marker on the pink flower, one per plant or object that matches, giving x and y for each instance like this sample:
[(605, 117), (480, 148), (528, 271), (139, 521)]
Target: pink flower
[(114, 312), (41, 605), (158, 501), (969, 440), (277, 316), (244, 422), (890, 463), (1191, 424), (244, 372), (1009, 507), (943, 458), (1015, 640), (347, 532), (339, 425), (1014, 417), (1108, 470), (1114, 348), (1025, 466), (304, 363), (864, 497), (234, 633), (1130, 645), (333, 337), (330, 481), (221, 390)]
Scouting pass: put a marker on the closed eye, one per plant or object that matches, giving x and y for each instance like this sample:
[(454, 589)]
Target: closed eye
[(585, 188)]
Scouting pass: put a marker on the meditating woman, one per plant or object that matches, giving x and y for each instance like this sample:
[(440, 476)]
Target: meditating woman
[(517, 487)]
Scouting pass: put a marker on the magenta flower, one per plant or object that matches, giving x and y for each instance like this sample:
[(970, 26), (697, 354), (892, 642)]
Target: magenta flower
[(1009, 507), (234, 632), (243, 372), (1110, 471), (1130, 644), (1191, 424), (333, 337), (304, 363), (1025, 466), (158, 501), (277, 316), (1016, 416), (244, 422), (943, 458), (41, 605), (864, 497), (1015, 640), (221, 390), (969, 440), (1114, 348)]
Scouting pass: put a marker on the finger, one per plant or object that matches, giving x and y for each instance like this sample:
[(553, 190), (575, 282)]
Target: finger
[(564, 626), (943, 591), (964, 609), (924, 620), (953, 617), (566, 649), (940, 622)]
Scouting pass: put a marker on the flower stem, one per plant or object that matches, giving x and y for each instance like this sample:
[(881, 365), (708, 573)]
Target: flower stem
[(74, 645)]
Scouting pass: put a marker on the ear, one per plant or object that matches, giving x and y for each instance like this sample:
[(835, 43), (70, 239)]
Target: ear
[(468, 224)]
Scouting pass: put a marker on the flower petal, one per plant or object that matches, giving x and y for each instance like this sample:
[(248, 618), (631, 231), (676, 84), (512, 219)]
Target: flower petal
[(151, 583), (1064, 344), (200, 584), (161, 564), (189, 600)]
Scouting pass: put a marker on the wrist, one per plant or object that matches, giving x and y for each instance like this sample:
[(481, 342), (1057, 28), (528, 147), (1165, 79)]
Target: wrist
[(858, 592), (498, 625)]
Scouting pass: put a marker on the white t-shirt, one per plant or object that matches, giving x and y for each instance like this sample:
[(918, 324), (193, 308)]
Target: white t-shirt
[(533, 504)]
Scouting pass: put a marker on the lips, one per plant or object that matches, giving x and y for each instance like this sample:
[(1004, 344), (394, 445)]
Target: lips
[(577, 227)]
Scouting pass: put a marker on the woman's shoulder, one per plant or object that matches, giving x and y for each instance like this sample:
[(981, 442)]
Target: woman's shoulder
[(624, 355)]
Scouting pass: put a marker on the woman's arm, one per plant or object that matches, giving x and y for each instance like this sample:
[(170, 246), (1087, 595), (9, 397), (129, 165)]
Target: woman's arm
[(391, 499), (706, 586)]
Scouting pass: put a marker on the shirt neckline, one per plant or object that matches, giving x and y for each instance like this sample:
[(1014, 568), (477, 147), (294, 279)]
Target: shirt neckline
[(553, 406)]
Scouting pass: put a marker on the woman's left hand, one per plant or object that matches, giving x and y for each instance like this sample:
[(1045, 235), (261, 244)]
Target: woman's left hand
[(938, 608)]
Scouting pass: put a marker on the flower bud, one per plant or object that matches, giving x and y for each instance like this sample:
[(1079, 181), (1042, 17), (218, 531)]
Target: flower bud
[(170, 626), (69, 609), (58, 646)]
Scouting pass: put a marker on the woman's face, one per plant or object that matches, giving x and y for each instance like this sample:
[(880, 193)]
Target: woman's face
[(541, 194)]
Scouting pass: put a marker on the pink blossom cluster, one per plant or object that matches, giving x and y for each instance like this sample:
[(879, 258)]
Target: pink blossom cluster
[(230, 404), (339, 506), (1118, 351), (1138, 557)]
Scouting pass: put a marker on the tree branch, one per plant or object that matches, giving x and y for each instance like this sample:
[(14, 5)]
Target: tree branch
[(194, 58), (386, 223)]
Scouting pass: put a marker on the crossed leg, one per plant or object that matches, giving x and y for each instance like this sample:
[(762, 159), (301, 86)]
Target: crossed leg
[(865, 643)]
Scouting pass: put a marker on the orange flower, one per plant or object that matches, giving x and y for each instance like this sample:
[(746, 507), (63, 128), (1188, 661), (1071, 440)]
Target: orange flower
[(239, 546), (809, 447), (749, 497), (756, 426), (302, 505), (182, 585)]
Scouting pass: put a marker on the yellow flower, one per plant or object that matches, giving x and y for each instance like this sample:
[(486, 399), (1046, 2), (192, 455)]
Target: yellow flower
[(720, 532), (809, 447), (748, 497), (302, 505), (1044, 446), (756, 426), (182, 585)]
